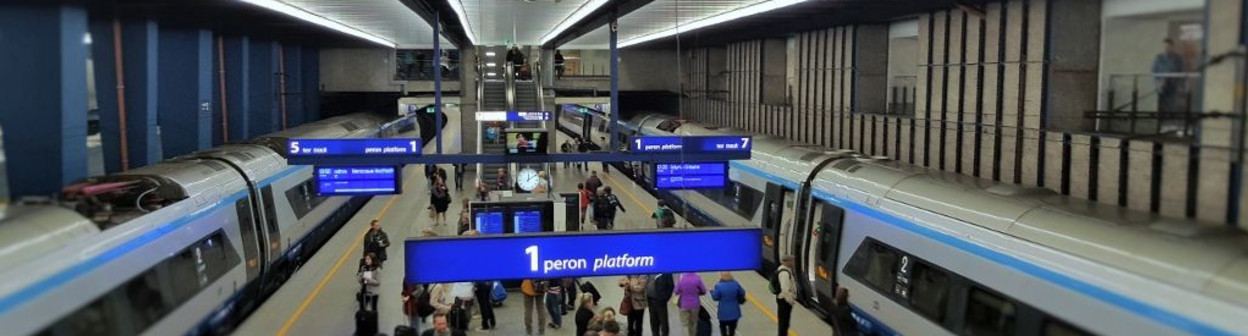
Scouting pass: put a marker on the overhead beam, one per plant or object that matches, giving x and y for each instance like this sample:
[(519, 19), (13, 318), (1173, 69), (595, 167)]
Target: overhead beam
[(599, 18), (452, 29)]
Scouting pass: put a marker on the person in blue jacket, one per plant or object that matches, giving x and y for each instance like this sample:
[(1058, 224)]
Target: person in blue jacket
[(730, 296)]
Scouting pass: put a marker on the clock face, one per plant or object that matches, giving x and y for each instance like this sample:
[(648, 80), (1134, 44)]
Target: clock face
[(528, 180)]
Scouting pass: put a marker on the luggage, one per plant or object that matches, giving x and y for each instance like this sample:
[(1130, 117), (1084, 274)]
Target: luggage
[(402, 330), (366, 316), (424, 307), (498, 294)]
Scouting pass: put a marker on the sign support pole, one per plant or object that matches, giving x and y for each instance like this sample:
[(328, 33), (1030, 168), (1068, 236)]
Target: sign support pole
[(614, 112), (437, 80)]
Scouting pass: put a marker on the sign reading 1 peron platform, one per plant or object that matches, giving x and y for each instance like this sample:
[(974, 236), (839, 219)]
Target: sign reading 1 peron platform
[(691, 144), (563, 255), (353, 147)]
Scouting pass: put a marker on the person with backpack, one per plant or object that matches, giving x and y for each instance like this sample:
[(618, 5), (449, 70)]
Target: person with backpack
[(730, 296), (412, 295), (664, 217), (658, 292), (533, 302), (604, 209), (690, 289), (781, 284)]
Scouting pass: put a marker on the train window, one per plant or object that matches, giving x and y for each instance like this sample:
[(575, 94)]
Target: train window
[(250, 238), (668, 126), (929, 288), (303, 198), (988, 314), (1059, 328), (97, 318), (270, 218), (881, 267), (830, 231)]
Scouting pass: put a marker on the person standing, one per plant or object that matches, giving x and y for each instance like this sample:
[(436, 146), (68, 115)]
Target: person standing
[(1166, 67), (592, 182), (584, 313), (411, 307), (586, 196), (730, 296), (634, 303), (442, 327), (663, 216), (842, 315), (459, 177), (483, 191), (369, 276), (461, 313), (787, 294), (533, 303), (376, 242), (658, 292), (566, 147), (441, 200), (554, 302), (569, 293), (431, 171), (504, 182), (690, 288), (559, 66)]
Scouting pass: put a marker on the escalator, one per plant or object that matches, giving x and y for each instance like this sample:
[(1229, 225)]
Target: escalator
[(494, 97)]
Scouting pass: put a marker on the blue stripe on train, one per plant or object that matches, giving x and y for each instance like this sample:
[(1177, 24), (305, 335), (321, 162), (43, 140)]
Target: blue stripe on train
[(70, 274), (1145, 310)]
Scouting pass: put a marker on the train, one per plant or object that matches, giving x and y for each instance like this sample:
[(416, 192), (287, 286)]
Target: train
[(926, 252), (189, 245)]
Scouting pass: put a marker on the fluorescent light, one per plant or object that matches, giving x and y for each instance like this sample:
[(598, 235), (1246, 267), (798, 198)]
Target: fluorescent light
[(86, 38), (756, 8), (491, 64), (458, 7), (305, 15), (489, 54), (491, 74), (580, 13)]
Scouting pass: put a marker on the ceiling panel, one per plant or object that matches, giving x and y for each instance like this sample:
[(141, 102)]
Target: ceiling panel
[(658, 15), (499, 22), (389, 19)]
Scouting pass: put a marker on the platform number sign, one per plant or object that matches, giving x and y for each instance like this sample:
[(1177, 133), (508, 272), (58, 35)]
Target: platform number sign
[(902, 286)]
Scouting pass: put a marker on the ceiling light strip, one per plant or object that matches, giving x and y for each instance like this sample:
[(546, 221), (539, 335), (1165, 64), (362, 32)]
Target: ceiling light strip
[(305, 15), (458, 7), (577, 16), (740, 12)]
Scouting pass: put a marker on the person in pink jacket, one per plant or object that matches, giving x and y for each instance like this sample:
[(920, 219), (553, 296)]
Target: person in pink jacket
[(689, 288)]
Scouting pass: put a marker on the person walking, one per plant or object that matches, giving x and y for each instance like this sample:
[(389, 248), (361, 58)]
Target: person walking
[(842, 315), (431, 171), (533, 303), (592, 182), (570, 294), (786, 294), (689, 288), (664, 217), (503, 182), (604, 209), (441, 201), (483, 191), (482, 291), (729, 294), (634, 303), (559, 66), (376, 242), (554, 302), (411, 304), (584, 313), (459, 176), (566, 147), (585, 197), (658, 292)]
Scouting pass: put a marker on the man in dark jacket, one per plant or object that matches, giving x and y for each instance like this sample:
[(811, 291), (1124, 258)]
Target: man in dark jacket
[(604, 209), (842, 316), (376, 241), (441, 327), (592, 183), (658, 293)]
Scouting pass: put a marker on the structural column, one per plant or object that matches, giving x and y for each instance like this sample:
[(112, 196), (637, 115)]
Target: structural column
[(310, 89), (437, 82), (262, 96), (44, 115), (237, 106), (290, 85), (185, 103), (615, 82), (126, 91)]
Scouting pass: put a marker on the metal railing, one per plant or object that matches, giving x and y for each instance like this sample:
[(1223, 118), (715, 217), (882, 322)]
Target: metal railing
[(1147, 104), (418, 70)]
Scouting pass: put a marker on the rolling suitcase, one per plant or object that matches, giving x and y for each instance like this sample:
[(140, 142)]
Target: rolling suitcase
[(403, 330), (366, 317)]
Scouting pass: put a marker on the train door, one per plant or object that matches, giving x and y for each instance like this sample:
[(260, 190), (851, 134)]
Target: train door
[(788, 217), (271, 225), (773, 199), (827, 238), (250, 238)]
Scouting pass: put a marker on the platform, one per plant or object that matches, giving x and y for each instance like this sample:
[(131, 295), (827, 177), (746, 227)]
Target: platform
[(319, 299)]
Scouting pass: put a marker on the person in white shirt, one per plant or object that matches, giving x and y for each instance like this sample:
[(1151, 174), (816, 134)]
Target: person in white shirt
[(788, 294)]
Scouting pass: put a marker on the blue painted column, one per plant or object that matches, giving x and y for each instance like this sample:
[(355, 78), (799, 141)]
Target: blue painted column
[(311, 83), (237, 105), (291, 73), (138, 145), (44, 115), (437, 82), (263, 97), (185, 104), (615, 82)]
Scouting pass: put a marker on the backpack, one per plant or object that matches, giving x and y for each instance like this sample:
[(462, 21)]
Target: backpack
[(774, 283), (604, 206), (666, 218), (423, 306)]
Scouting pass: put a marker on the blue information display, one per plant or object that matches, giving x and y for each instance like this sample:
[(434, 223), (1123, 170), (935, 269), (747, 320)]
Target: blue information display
[(690, 175), (658, 144), (489, 222), (357, 180), (563, 255), (353, 147), (514, 116), (528, 221)]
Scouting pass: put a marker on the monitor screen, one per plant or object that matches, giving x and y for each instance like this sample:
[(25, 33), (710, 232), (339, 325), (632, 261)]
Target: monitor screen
[(526, 143), (528, 221), (332, 181), (489, 222), (707, 175)]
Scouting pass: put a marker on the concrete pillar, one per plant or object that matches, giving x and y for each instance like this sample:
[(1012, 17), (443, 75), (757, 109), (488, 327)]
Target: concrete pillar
[(44, 115), (237, 88), (262, 96), (290, 85), (468, 99), (1073, 59), (870, 92), (138, 145), (310, 87), (548, 67), (185, 106)]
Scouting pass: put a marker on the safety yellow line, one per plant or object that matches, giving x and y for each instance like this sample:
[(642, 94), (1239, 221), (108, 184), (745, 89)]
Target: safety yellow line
[(748, 297), (294, 317)]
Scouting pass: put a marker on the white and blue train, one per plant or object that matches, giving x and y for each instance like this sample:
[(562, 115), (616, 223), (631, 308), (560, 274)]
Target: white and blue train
[(189, 245), (924, 252)]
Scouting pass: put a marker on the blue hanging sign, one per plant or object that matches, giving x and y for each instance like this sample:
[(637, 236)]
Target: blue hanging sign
[(562, 255), (692, 144), (353, 147)]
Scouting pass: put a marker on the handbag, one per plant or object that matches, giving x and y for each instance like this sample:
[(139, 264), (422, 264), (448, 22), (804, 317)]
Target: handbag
[(626, 305)]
